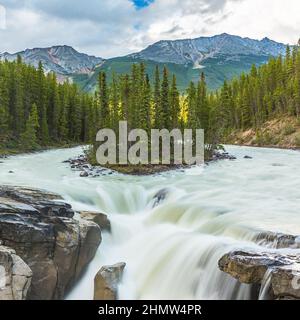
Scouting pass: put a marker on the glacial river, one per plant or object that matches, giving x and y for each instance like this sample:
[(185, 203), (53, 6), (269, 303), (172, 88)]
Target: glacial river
[(172, 248)]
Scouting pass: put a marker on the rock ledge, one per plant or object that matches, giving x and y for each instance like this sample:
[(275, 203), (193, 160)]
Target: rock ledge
[(42, 232)]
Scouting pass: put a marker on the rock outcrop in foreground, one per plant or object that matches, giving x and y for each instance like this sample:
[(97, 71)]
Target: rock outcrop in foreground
[(99, 218), (107, 281), (281, 272), (47, 248)]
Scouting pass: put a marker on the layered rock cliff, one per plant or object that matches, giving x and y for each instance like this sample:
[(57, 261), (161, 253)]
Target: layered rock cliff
[(47, 246)]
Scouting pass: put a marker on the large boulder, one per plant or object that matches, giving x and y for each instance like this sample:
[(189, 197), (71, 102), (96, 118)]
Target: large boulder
[(100, 218), (107, 281), (15, 275), (282, 271), (40, 227)]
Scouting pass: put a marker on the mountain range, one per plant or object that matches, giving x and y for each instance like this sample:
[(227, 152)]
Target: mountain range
[(220, 57), (194, 51)]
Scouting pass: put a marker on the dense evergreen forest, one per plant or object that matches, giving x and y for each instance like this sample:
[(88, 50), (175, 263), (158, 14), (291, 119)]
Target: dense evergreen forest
[(36, 111), (131, 97), (268, 92)]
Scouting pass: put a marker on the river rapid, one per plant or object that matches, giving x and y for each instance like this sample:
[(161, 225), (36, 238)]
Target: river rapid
[(172, 247)]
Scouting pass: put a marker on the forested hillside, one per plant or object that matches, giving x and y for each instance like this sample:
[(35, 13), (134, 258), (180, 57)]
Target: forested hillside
[(36, 111), (216, 70), (269, 92)]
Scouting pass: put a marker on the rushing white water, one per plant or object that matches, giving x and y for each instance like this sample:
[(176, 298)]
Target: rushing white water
[(172, 248)]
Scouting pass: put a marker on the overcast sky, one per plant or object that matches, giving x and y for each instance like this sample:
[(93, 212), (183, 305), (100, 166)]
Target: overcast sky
[(110, 28)]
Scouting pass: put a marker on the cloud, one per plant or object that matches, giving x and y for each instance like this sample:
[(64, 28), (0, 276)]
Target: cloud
[(111, 28)]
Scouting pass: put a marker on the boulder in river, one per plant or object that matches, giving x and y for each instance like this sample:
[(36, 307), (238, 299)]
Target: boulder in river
[(41, 229), (107, 280), (160, 196), (84, 174), (100, 218), (282, 270)]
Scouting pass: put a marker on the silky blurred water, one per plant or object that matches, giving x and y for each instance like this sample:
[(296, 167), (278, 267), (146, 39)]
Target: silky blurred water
[(172, 249)]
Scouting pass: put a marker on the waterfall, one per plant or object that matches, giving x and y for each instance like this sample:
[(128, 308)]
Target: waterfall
[(171, 229), (265, 285)]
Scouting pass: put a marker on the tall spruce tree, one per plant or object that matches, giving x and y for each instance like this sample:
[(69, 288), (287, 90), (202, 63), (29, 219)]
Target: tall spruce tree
[(174, 104), (157, 100), (28, 139), (104, 101), (165, 102)]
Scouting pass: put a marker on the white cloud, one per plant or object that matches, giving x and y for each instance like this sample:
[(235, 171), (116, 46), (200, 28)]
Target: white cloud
[(110, 28)]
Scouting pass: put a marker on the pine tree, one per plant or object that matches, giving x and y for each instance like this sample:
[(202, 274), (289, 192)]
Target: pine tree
[(62, 119), (124, 97), (174, 104), (191, 107), (4, 105), (53, 107), (28, 139), (114, 103), (202, 108), (157, 100), (104, 101), (18, 103), (42, 108), (164, 101), (145, 108), (134, 98)]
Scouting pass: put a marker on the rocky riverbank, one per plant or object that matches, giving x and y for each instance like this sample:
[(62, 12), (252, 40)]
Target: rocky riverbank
[(278, 133), (274, 273), (44, 249)]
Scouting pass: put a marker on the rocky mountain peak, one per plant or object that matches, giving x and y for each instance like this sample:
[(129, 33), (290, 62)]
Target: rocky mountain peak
[(61, 59), (194, 51)]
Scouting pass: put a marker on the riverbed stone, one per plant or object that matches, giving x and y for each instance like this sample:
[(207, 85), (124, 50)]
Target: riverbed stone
[(107, 280), (84, 174)]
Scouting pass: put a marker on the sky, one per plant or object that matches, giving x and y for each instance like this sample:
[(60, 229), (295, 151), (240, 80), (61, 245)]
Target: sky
[(109, 28)]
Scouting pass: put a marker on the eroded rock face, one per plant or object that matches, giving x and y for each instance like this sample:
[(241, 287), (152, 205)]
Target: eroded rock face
[(100, 218), (15, 275), (107, 280), (251, 268), (42, 231), (278, 240)]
